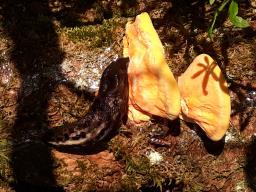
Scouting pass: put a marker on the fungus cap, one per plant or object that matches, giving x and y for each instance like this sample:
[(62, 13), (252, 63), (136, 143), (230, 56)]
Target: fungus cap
[(205, 97), (153, 89)]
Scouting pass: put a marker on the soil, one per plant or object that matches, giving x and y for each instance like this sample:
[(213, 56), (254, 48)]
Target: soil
[(52, 54)]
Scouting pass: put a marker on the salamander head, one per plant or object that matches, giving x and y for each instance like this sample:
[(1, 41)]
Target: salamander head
[(114, 89), (114, 78)]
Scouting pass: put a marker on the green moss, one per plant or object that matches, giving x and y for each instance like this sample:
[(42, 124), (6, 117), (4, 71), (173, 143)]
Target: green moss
[(133, 164), (94, 35), (82, 166), (157, 180), (5, 171), (138, 171), (132, 12), (197, 187), (128, 183)]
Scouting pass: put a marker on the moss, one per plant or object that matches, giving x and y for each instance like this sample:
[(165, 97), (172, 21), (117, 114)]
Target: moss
[(196, 187), (5, 170), (82, 166), (138, 165), (131, 12), (5, 149), (133, 163), (138, 171), (157, 180), (94, 35), (65, 177)]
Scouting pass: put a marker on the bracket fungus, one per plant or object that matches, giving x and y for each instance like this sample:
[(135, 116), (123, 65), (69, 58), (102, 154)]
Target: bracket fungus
[(205, 97), (153, 89)]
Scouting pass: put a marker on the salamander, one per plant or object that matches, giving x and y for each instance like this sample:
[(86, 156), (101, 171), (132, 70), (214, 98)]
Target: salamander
[(105, 115)]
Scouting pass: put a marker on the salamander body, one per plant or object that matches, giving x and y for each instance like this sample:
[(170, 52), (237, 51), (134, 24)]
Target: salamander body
[(105, 115)]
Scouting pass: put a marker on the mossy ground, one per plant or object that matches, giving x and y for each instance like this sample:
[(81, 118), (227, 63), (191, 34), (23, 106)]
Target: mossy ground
[(36, 93)]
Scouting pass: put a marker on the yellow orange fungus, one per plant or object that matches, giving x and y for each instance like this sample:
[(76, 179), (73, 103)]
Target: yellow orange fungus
[(153, 89), (205, 97)]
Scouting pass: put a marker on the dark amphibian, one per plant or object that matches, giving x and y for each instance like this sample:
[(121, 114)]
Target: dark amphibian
[(106, 114)]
